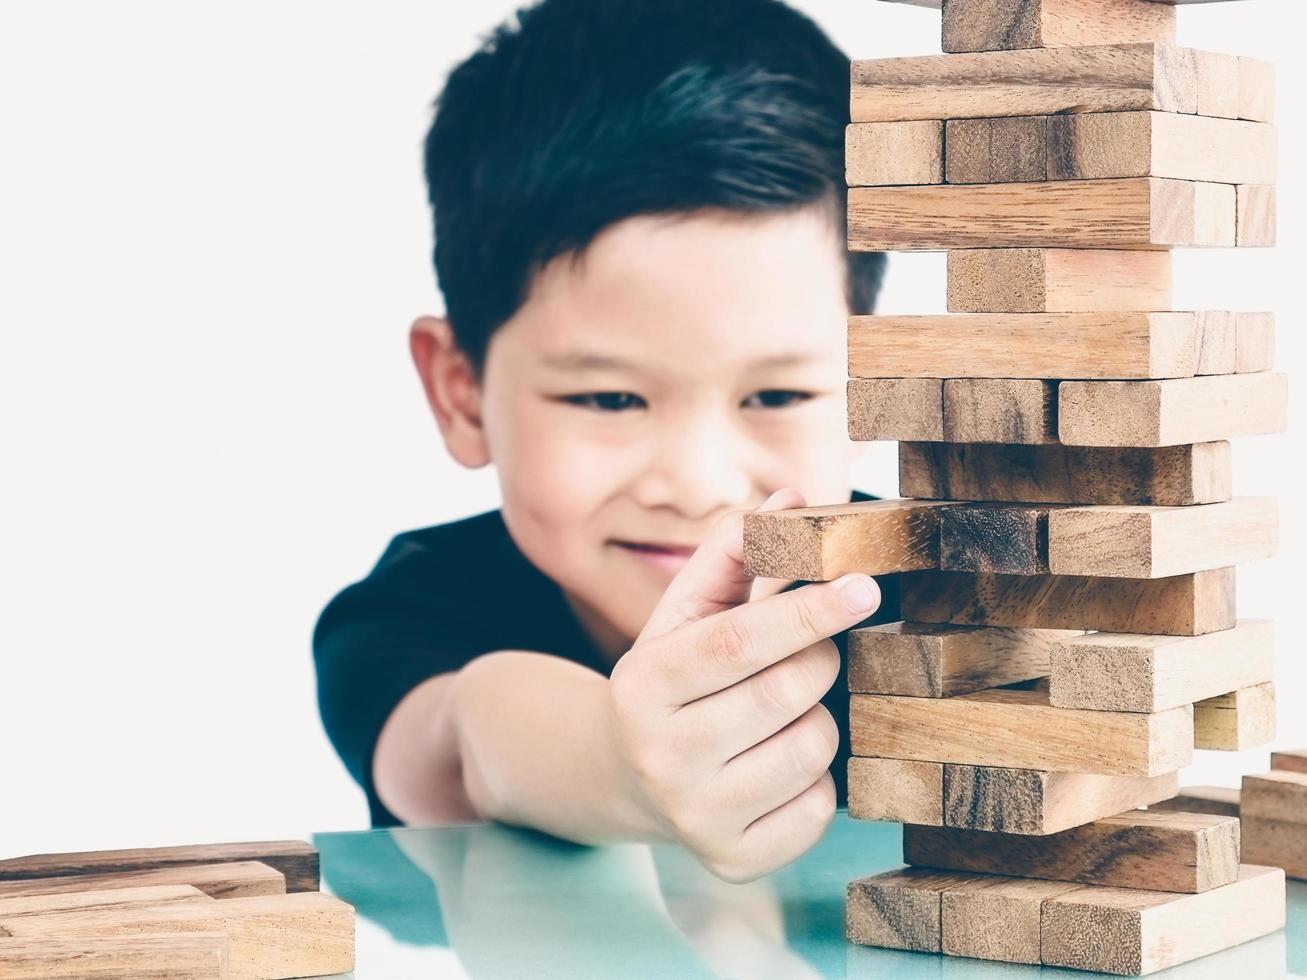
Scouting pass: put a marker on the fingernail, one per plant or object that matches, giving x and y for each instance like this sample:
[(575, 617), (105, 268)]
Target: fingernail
[(859, 594)]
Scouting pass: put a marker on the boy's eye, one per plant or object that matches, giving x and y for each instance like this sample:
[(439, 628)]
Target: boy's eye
[(606, 401), (776, 398)]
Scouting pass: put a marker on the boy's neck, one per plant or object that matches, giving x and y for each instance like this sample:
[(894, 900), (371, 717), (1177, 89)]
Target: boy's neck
[(607, 639)]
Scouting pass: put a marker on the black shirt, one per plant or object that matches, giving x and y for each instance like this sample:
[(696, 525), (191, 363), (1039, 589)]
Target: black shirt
[(425, 610)]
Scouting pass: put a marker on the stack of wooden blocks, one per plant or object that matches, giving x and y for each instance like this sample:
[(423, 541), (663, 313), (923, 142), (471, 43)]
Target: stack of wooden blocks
[(1068, 589), (248, 911)]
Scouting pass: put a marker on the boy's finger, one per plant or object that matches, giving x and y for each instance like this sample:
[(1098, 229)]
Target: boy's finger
[(714, 578)]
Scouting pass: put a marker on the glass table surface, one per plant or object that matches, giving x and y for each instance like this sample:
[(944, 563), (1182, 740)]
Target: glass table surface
[(489, 901)]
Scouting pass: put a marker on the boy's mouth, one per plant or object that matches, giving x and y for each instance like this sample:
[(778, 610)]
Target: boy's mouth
[(670, 557)]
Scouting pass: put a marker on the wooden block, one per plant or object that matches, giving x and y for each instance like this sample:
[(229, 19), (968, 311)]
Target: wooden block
[(1255, 215), (1275, 795), (1171, 852), (1242, 719), (1058, 280), (940, 661), (897, 790), (1184, 605), (99, 899), (1216, 341), (1222, 800), (1141, 672), (295, 859), (1216, 79), (1019, 730), (269, 936), (1024, 345), (895, 409), (142, 956), (1004, 25), (1256, 90), (1031, 801), (1171, 412), (1135, 932), (1086, 146), (1276, 844), (825, 542), (1290, 761), (990, 537), (995, 918), (1129, 213), (909, 152), (1007, 410), (236, 879), (999, 150), (1254, 346), (898, 909), (1099, 78), (1130, 541)]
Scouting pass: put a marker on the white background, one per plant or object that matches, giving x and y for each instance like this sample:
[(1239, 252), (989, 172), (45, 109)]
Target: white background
[(213, 236)]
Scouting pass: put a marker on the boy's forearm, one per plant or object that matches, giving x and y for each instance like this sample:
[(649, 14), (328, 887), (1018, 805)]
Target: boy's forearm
[(537, 749)]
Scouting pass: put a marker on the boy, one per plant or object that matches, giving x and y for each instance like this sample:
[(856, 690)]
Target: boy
[(639, 236)]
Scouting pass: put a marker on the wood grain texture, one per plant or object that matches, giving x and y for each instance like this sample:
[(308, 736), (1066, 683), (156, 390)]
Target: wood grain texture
[(1256, 90), (270, 936), (821, 543), (1182, 605), (1058, 280), (1131, 541), (1032, 801), (1254, 348), (1135, 932), (1169, 476), (295, 859), (897, 790), (1097, 78), (143, 956), (996, 918), (1216, 79), (1171, 412), (1006, 410), (1221, 800), (898, 909), (1276, 795), (1294, 760), (1254, 216), (1242, 719), (106, 898), (1004, 25), (1139, 672), (1024, 345), (939, 661), (236, 879), (887, 153), (999, 150), (1276, 844), (1019, 730), (992, 537), (1172, 852), (1129, 213), (895, 409)]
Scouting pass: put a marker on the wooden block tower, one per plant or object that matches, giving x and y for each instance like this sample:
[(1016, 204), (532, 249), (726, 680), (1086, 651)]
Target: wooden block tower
[(1069, 537)]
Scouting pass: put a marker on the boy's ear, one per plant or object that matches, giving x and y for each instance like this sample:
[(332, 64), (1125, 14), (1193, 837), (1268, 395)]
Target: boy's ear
[(451, 387)]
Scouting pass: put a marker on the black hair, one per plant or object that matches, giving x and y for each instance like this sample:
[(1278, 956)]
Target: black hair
[(576, 114)]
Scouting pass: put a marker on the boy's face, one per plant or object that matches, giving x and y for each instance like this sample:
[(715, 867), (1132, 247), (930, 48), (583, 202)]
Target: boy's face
[(682, 367)]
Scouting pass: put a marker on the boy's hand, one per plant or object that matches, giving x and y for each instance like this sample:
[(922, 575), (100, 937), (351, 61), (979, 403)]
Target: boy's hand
[(716, 708)]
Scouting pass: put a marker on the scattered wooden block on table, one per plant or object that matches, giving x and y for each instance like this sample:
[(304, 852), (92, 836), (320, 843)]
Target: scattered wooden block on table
[(1276, 843), (236, 879), (1019, 730), (1031, 801), (898, 909), (992, 537), (931, 660), (1058, 280), (898, 790), (1182, 605), (1171, 412), (108, 898), (1135, 932), (1276, 796), (1290, 761), (1222, 800), (1142, 672), (1255, 215), (1004, 25), (822, 543), (1005, 410), (895, 409), (1172, 476), (887, 153), (1126, 213), (1172, 852), (194, 955), (1131, 541), (1242, 719), (996, 918), (1024, 345), (295, 859)]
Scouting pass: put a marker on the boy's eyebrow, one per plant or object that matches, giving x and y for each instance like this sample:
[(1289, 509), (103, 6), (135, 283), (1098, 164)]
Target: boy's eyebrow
[(592, 361)]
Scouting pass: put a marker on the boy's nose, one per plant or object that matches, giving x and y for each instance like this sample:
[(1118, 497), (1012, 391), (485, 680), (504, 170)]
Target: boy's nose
[(699, 470)]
